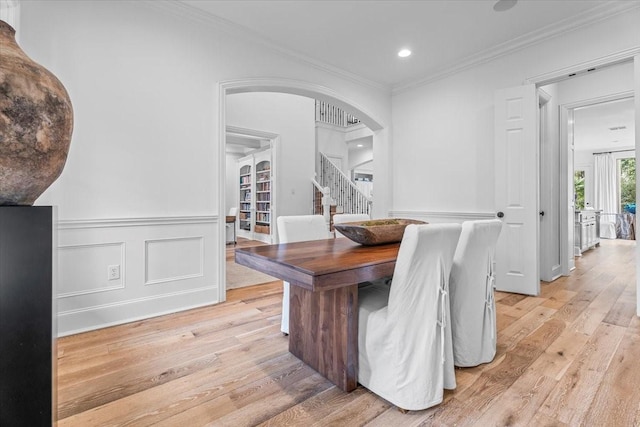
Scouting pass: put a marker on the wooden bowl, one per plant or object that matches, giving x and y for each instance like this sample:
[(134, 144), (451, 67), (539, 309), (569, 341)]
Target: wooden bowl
[(376, 231)]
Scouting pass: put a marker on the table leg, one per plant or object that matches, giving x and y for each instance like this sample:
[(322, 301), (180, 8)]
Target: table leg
[(323, 332)]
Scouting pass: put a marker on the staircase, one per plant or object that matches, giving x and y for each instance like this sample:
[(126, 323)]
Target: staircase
[(334, 191), (343, 193)]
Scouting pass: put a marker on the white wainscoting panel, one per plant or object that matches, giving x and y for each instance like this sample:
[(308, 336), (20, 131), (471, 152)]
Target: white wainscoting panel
[(83, 268), (168, 260), (166, 264)]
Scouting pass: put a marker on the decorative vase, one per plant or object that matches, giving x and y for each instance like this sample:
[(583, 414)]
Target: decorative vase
[(36, 121)]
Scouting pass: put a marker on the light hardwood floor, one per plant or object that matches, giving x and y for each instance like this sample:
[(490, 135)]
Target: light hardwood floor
[(568, 357)]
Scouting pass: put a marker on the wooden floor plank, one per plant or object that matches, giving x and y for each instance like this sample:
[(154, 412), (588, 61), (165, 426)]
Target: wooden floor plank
[(510, 336), (358, 411), (617, 401), (570, 401), (567, 357), (520, 402), (181, 395), (257, 400), (499, 378), (315, 408), (559, 298)]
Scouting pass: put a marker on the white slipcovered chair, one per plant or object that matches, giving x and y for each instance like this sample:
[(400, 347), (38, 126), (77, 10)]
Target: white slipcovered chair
[(473, 309), (342, 218), (298, 228), (404, 337)]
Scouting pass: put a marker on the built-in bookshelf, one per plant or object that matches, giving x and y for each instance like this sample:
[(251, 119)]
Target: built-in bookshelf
[(263, 197), (255, 197), (244, 216)]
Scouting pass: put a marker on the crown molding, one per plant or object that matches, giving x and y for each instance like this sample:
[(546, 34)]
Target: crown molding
[(590, 17), (583, 67), (177, 8)]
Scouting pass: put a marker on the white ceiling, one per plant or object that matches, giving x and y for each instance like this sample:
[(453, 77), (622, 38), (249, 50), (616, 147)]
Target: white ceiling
[(362, 38), (592, 126)]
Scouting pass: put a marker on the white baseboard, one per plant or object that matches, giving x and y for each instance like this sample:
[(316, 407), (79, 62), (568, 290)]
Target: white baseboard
[(97, 317)]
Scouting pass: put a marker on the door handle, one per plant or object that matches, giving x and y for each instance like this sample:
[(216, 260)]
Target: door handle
[(541, 213)]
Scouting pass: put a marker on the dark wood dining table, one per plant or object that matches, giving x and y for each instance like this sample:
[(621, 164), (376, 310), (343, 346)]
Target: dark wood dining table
[(323, 309)]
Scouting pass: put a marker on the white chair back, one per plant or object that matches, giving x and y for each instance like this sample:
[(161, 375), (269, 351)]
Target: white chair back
[(233, 212), (342, 218), (298, 228), (405, 351), (473, 309)]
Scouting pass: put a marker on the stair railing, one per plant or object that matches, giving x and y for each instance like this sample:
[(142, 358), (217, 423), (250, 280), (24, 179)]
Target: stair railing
[(330, 114), (345, 193)]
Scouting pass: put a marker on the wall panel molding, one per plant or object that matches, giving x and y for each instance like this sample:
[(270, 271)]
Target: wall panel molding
[(178, 251), (179, 256), (119, 284), (442, 216), (135, 222)]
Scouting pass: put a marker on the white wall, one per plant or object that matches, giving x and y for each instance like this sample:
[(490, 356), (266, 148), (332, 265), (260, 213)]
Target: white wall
[(232, 180), (331, 141), (443, 131), (292, 117), (144, 161), (361, 155)]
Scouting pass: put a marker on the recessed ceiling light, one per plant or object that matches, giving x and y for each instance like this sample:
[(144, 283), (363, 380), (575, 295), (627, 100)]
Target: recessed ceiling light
[(404, 53), (502, 5), (359, 145)]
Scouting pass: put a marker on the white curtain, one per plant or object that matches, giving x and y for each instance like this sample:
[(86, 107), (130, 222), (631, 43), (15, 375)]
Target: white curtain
[(606, 184)]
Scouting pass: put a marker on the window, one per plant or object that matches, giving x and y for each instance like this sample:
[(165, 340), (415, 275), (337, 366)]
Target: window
[(578, 189), (627, 184)]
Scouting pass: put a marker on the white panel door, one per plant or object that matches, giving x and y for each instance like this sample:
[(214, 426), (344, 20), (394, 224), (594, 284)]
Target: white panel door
[(516, 189)]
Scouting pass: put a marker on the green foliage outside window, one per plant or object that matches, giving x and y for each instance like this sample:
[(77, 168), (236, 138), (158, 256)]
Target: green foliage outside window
[(627, 182), (578, 185)]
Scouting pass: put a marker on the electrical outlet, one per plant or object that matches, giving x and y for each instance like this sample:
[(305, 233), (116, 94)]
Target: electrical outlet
[(113, 272)]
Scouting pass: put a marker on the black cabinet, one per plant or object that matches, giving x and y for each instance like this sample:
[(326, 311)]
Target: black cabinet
[(26, 316)]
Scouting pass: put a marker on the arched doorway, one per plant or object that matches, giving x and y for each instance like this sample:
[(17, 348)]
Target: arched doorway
[(293, 87)]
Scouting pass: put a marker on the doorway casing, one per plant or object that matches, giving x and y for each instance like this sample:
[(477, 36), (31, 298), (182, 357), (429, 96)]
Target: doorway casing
[(566, 160)]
